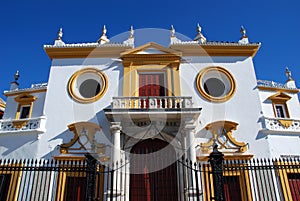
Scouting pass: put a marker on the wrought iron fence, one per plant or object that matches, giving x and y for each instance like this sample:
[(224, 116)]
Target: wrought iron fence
[(79, 180)]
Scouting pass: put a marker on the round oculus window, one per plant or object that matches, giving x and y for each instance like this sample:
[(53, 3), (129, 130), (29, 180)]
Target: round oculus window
[(215, 84), (87, 85)]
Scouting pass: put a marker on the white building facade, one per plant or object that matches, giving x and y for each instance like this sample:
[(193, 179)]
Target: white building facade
[(138, 104)]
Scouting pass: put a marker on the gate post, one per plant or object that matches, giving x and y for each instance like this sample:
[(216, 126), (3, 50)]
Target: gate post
[(91, 165), (216, 160)]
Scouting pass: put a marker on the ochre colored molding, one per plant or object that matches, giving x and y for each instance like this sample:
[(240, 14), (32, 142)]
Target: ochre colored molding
[(283, 169), (280, 98), (265, 88), (72, 87), (216, 50), (167, 62), (30, 91), (226, 128), (285, 122), (24, 99), (85, 52), (76, 128), (19, 124), (199, 84), (69, 158), (227, 156)]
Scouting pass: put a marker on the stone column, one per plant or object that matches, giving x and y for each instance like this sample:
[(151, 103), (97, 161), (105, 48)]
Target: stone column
[(116, 136), (189, 130)]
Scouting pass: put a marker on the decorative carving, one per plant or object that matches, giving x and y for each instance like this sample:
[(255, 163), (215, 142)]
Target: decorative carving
[(285, 123), (19, 124), (222, 135), (84, 135)]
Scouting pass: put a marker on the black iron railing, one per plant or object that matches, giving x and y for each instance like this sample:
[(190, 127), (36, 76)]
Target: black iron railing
[(45, 180)]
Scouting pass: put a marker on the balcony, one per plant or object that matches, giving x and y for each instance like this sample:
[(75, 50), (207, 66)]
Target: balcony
[(152, 102), (278, 125), (30, 125)]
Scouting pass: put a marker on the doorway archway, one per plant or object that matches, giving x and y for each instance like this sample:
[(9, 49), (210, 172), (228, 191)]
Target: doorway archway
[(153, 171)]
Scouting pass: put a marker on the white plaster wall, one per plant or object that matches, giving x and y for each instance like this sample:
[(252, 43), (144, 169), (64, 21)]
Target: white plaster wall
[(284, 144), (243, 108), (11, 108), (60, 108)]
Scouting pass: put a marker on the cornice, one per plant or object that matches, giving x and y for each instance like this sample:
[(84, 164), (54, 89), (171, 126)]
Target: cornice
[(216, 49), (85, 51)]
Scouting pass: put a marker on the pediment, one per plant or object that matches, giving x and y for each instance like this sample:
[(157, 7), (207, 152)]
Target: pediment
[(280, 96), (151, 49)]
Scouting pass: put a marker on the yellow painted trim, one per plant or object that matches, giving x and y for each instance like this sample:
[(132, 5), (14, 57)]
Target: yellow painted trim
[(216, 50), (3, 105), (62, 178), (15, 180), (14, 93), (131, 78), (19, 124), (229, 127), (168, 62), (72, 85), (69, 158), (24, 99), (280, 98), (85, 52), (242, 174), (285, 122), (227, 156), (91, 129), (294, 91), (161, 48), (288, 167), (199, 84)]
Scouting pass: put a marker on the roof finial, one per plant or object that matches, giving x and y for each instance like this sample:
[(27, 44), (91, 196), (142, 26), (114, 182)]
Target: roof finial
[(173, 38), (58, 41), (103, 39), (200, 37), (130, 40), (60, 34), (244, 39), (172, 31), (16, 76), (131, 32), (243, 31), (15, 85), (288, 73)]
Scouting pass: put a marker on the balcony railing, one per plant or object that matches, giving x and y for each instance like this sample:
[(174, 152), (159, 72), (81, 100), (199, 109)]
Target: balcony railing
[(152, 102), (27, 125), (281, 124)]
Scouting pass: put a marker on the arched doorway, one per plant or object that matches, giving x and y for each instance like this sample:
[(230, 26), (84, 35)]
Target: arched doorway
[(153, 171)]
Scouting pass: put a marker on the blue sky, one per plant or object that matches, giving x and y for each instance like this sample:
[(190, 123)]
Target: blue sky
[(27, 25)]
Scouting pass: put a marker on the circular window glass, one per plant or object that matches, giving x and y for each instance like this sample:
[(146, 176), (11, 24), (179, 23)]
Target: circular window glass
[(87, 85), (215, 84), (89, 88)]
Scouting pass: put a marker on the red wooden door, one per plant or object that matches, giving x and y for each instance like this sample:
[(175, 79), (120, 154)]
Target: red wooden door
[(294, 183), (75, 188), (151, 85), (232, 188), (149, 182)]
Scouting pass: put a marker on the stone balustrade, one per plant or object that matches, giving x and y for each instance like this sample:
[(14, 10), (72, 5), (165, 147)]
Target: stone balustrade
[(152, 102), (26, 125), (281, 124)]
